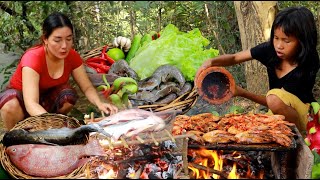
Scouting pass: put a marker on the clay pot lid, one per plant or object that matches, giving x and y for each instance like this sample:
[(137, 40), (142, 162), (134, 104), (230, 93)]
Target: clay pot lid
[(215, 85)]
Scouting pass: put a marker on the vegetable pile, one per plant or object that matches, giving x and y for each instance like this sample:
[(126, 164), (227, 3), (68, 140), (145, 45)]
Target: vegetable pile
[(186, 51), (313, 137), (100, 64), (118, 93)]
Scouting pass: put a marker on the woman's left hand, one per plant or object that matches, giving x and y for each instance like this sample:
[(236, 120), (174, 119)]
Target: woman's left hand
[(108, 108)]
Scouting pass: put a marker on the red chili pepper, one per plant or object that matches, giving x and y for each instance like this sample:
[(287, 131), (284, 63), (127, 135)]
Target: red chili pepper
[(103, 62), (103, 67), (95, 59), (104, 55), (99, 70)]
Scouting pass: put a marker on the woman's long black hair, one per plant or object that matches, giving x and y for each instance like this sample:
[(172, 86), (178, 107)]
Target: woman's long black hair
[(299, 22)]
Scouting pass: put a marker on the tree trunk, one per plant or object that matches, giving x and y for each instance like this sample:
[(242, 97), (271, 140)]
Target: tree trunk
[(132, 22), (255, 19)]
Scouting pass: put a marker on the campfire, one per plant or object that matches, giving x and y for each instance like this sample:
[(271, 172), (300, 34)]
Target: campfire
[(143, 161), (219, 164)]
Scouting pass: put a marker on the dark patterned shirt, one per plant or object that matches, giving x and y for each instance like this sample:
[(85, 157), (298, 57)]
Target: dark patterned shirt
[(296, 81)]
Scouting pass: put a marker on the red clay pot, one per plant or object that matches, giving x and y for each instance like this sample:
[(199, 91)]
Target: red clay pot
[(215, 85)]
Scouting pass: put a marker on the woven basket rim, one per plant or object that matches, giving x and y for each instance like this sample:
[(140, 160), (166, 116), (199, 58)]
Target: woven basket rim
[(42, 122), (184, 103)]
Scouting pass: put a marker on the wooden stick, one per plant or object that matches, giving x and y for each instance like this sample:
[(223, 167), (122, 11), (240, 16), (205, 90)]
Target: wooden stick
[(193, 92), (92, 116), (174, 105), (146, 141), (154, 140), (220, 173), (176, 175), (139, 139), (125, 144), (102, 113), (180, 97), (147, 106), (169, 134), (110, 143), (185, 153)]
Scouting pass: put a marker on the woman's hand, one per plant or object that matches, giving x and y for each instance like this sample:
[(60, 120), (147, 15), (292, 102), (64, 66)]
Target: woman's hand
[(108, 108)]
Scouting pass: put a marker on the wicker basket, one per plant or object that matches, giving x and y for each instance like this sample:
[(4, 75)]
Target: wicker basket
[(95, 52), (184, 103), (42, 122)]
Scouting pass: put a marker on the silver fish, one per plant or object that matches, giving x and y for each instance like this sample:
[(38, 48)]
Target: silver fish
[(134, 127), (51, 161), (125, 115), (62, 136)]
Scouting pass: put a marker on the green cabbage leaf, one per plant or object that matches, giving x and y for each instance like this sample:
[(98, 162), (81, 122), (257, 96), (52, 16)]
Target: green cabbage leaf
[(186, 51)]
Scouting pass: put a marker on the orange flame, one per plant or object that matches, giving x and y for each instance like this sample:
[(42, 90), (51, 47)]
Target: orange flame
[(214, 159), (233, 173), (107, 174)]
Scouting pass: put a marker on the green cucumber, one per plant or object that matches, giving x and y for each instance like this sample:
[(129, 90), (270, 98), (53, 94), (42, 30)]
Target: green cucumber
[(145, 39), (134, 47)]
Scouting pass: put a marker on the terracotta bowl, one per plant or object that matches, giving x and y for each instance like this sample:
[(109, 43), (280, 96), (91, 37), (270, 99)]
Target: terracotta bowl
[(215, 85)]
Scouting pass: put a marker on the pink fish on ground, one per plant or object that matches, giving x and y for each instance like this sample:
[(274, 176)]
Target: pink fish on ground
[(51, 161)]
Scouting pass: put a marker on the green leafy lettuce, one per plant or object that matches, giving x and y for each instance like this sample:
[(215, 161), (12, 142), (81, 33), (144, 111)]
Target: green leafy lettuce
[(186, 51)]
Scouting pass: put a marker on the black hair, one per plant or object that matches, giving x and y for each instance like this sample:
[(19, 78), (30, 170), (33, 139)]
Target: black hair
[(53, 21), (300, 23)]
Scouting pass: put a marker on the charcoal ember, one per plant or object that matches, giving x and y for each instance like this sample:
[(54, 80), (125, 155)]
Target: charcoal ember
[(170, 145), (155, 175)]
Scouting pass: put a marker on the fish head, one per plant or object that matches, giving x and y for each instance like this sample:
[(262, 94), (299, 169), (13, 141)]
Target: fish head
[(19, 151), (157, 121)]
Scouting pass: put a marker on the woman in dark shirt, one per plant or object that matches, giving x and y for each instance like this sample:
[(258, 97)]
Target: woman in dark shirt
[(292, 63)]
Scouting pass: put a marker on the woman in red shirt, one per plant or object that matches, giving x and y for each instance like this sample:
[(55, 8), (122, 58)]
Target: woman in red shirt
[(40, 82)]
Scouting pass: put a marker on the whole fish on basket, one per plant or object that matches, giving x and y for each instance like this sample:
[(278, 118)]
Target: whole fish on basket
[(134, 127), (51, 161), (62, 136), (125, 115), (136, 114), (131, 122)]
